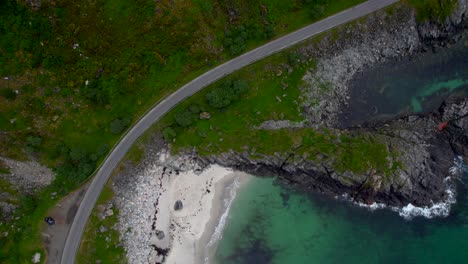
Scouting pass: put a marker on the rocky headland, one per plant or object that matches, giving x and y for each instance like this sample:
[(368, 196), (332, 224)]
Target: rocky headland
[(422, 179), (421, 174)]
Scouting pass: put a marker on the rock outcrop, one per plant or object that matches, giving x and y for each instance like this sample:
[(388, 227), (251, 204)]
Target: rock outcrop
[(434, 31), (425, 154), (360, 45)]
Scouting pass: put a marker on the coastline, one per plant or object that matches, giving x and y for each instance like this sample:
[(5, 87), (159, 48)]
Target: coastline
[(203, 197), (154, 229), (225, 194), (440, 209), (166, 235)]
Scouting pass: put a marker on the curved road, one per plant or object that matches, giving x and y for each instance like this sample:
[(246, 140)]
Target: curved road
[(118, 152)]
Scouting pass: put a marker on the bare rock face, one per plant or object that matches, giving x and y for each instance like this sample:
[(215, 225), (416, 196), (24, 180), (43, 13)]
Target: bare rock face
[(280, 124), (426, 155), (456, 114)]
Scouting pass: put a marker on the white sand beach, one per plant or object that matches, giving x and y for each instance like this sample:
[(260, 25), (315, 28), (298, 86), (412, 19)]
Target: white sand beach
[(202, 199), (154, 231)]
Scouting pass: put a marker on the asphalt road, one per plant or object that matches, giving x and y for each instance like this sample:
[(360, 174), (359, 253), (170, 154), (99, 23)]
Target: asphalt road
[(76, 231)]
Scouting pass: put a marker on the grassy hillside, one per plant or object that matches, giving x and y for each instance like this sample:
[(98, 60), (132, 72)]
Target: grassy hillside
[(76, 74), (101, 239), (268, 90)]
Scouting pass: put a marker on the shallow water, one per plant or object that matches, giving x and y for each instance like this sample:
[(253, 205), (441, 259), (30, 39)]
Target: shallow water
[(270, 224), (411, 85)]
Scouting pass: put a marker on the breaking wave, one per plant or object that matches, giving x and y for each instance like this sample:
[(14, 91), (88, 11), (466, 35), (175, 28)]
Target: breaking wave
[(410, 211), (218, 232)]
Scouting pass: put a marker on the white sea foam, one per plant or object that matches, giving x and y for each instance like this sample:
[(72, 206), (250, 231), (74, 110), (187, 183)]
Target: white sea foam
[(441, 209), (373, 206), (218, 232), (410, 211)]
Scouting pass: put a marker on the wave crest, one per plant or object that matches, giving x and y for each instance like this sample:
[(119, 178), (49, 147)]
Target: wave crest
[(410, 211)]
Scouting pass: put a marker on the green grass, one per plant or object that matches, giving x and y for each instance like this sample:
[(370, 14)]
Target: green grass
[(138, 55), (233, 127), (3, 168), (24, 237), (94, 245), (7, 187), (130, 57), (133, 56), (433, 9), (12, 147), (136, 154)]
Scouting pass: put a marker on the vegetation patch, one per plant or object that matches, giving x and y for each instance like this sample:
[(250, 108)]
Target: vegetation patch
[(23, 237), (136, 154), (270, 91), (433, 9), (101, 240), (76, 74), (4, 168), (7, 188)]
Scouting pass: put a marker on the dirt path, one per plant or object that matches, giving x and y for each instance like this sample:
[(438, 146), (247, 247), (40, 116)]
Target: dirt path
[(54, 236)]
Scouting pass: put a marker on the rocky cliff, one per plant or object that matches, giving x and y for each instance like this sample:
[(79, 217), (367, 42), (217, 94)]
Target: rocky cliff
[(426, 156)]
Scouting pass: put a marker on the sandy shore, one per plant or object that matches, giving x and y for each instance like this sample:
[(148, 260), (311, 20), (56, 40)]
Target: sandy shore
[(153, 230), (203, 197)]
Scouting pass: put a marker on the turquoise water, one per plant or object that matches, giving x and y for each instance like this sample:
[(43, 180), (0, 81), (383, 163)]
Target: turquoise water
[(433, 88), (269, 224), (411, 85)]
